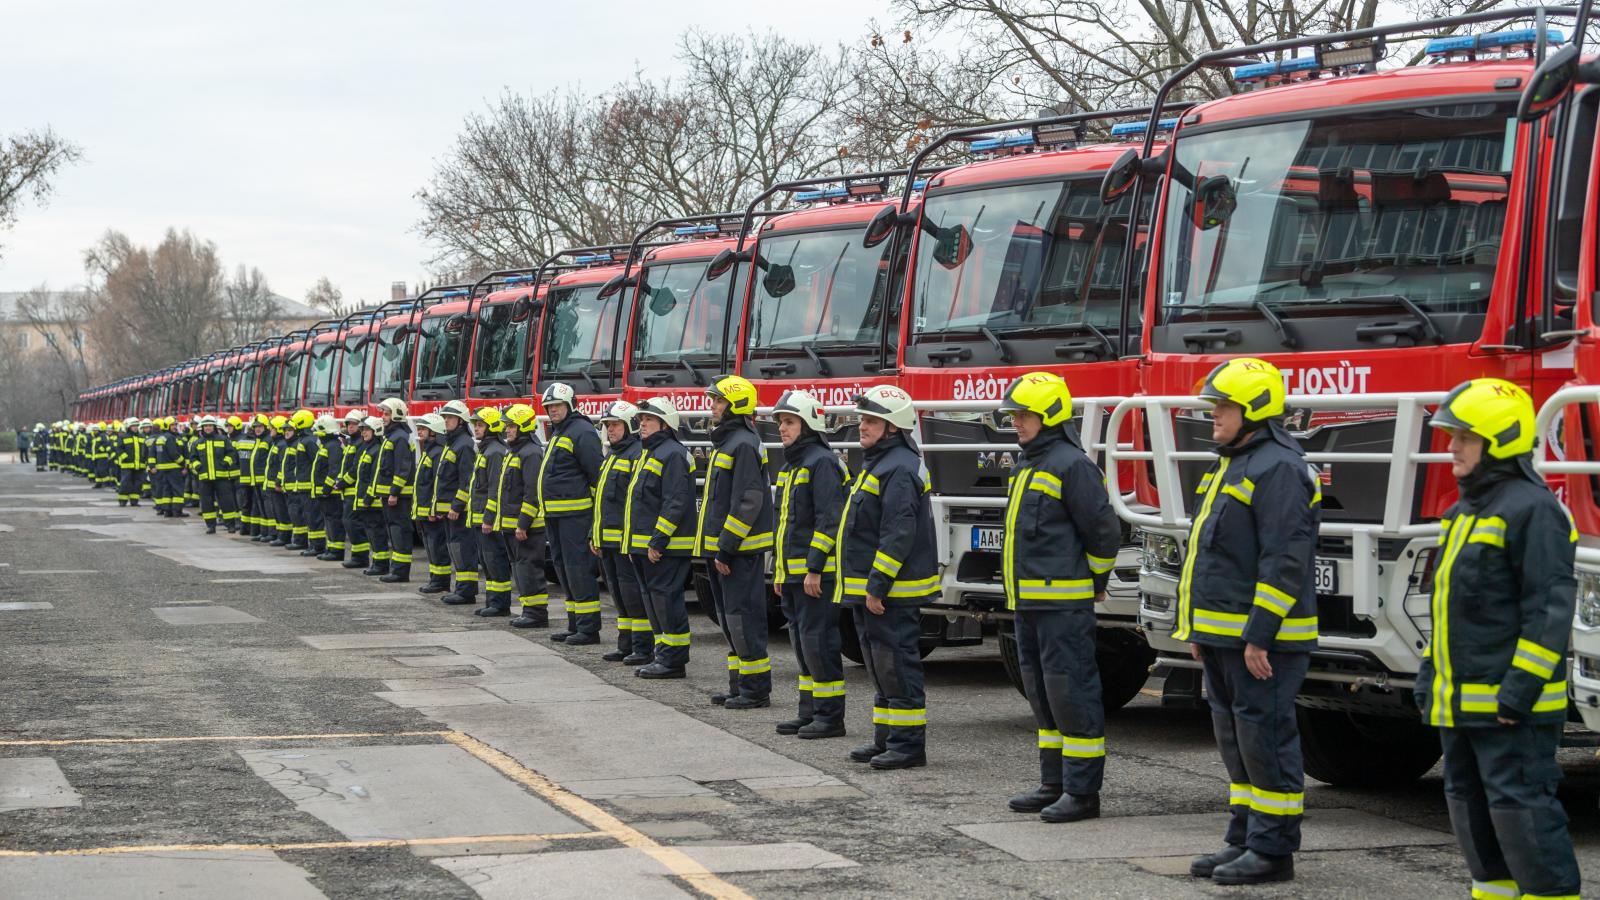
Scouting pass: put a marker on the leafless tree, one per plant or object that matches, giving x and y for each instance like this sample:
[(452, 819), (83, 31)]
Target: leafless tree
[(44, 380), (324, 295), (153, 307), (249, 310), (29, 163)]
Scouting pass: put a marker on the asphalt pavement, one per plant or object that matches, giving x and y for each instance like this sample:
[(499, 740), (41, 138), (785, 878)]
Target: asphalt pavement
[(185, 715)]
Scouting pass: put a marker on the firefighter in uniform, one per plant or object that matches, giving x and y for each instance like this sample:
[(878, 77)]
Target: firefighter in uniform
[(734, 532), (521, 521), (212, 464), (657, 528), (487, 477), (397, 469), (298, 451), (279, 529), (169, 461), (354, 533), (567, 476), (41, 447), (425, 506), (130, 463), (260, 453), (1061, 540), (323, 507), (243, 442), (452, 498), (147, 433), (1247, 605), (635, 642), (369, 500), (811, 491), (1494, 680), (887, 566)]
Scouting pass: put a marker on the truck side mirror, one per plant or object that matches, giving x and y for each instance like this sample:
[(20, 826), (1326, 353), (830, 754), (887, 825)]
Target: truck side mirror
[(1549, 84), (1120, 177), (881, 226)]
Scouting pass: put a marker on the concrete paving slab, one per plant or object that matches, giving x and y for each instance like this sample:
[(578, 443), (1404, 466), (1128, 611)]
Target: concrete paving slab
[(801, 788), (414, 791), (482, 643), (674, 806), (21, 605), (685, 829), (790, 781), (242, 580), (164, 876), (1163, 865), (623, 872), (203, 615), (549, 739), (1191, 834), (58, 571), (34, 782), (459, 696), (540, 692), (661, 786)]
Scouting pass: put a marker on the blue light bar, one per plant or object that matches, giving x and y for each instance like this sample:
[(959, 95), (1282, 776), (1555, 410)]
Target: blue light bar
[(828, 194), (517, 279), (687, 230), (1255, 71), (1298, 64), (592, 258), (1126, 128), (1467, 43), (919, 184), (448, 294), (1001, 143)]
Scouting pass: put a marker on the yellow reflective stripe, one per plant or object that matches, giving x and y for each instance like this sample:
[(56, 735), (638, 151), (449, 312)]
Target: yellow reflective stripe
[(821, 540), (1100, 565), (551, 506), (1274, 803), (1205, 482), (534, 600), (886, 564), (1213, 622), (869, 483), (611, 534), (1055, 589), (666, 526), (1049, 739), (755, 666), (1243, 492), (1485, 698), (1083, 748), (1273, 600), (1298, 629), (825, 689), (1440, 711), (762, 541), (653, 466), (736, 526), (1489, 530), (805, 684), (1238, 795), (1489, 890), (673, 640), (680, 543), (904, 718), (1045, 483), (1534, 659), (562, 443), (582, 608)]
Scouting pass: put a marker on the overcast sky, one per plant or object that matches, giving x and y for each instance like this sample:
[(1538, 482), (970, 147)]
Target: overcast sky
[(294, 134)]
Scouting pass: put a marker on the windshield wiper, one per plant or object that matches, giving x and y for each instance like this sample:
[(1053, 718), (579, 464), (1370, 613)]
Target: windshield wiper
[(593, 385), (1429, 330), (823, 368), (683, 361), (1284, 337), (1000, 347)]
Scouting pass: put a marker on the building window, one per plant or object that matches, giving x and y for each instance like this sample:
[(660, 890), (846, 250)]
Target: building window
[(22, 340)]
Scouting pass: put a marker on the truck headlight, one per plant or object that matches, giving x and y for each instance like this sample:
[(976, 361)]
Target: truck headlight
[(1163, 551), (1589, 599)]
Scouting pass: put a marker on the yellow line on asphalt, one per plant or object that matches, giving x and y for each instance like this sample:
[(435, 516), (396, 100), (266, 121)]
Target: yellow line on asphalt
[(310, 845), (227, 737), (676, 861)]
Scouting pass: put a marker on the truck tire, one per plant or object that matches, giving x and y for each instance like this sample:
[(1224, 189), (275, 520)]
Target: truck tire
[(850, 641), (1124, 662), (1363, 750), (702, 595)]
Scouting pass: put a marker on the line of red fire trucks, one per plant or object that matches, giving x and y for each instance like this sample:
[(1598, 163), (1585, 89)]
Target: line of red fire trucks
[(1342, 219)]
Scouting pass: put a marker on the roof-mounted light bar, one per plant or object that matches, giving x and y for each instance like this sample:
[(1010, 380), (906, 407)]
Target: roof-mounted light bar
[(1472, 44), (692, 230), (993, 145), (1122, 129), (590, 259)]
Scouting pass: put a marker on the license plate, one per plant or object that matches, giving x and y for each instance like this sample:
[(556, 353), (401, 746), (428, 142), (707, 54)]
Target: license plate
[(988, 539), (1327, 577)]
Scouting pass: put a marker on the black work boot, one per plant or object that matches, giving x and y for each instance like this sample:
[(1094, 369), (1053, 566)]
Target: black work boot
[(456, 598), (864, 754), (560, 637), (211, 528), (377, 568), (657, 670), (894, 759), (356, 561), (1254, 868), (638, 659), (791, 726), (579, 639), (739, 701), (398, 575), (532, 617), (819, 730), (492, 611), (1203, 866), (1036, 799), (1072, 808), (434, 586), (614, 656)]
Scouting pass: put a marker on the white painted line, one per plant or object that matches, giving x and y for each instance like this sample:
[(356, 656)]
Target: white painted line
[(16, 605), (241, 580), (58, 571)]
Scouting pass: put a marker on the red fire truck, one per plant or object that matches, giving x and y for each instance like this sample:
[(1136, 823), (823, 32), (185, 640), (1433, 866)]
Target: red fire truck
[(1345, 222)]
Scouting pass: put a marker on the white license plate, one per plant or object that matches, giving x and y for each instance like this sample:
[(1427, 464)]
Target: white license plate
[(988, 539), (1327, 576)]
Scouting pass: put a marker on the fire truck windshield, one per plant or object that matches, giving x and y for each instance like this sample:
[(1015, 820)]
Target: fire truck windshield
[(680, 315), (289, 382), (247, 387), (1337, 215), (391, 368), (319, 382), (353, 376), (819, 288), (439, 354), (1020, 257), (578, 337), (502, 337)]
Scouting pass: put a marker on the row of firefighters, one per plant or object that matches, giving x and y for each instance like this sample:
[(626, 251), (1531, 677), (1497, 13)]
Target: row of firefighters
[(487, 497)]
